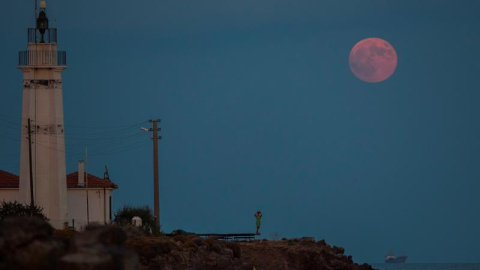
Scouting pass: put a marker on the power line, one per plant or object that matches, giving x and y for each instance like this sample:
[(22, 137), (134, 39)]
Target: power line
[(102, 141), (108, 127)]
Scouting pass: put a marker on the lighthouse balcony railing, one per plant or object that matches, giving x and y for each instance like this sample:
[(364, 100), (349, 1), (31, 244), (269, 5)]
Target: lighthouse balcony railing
[(42, 58), (34, 36)]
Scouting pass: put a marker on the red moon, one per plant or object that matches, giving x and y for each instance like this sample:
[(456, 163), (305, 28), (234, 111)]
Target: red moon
[(373, 60)]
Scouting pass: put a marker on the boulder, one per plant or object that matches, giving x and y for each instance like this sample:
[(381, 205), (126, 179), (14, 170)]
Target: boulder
[(99, 247), (27, 243)]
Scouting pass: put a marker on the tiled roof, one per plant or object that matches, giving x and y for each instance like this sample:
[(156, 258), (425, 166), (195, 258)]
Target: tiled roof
[(93, 181), (10, 180)]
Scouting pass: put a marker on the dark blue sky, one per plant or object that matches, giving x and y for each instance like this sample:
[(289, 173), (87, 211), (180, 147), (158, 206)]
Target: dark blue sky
[(260, 111)]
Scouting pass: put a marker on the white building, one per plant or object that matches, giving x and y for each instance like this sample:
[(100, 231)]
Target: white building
[(43, 179), (99, 197)]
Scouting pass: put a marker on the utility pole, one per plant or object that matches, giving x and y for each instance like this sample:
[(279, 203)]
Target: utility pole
[(32, 201), (86, 182), (156, 200)]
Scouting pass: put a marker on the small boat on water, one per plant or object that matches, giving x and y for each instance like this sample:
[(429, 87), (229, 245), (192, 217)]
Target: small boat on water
[(390, 258)]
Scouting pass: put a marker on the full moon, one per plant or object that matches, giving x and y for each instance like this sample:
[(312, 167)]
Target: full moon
[(373, 60)]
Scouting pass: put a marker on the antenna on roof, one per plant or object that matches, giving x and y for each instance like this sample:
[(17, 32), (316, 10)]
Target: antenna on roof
[(105, 174)]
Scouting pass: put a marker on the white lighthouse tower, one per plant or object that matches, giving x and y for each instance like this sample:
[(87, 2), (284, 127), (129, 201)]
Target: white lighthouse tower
[(42, 66)]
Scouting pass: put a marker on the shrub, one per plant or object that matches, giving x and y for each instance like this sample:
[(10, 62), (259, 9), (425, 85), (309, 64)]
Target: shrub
[(189, 243), (180, 238), (125, 215), (16, 209), (133, 232), (180, 232)]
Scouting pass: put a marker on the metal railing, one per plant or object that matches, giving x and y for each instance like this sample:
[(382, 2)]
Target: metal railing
[(42, 58), (34, 36)]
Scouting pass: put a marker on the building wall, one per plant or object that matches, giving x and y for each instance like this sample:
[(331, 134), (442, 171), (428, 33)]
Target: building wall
[(77, 205), (9, 194), (98, 205)]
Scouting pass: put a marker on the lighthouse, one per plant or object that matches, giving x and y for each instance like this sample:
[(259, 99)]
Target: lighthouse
[(42, 150)]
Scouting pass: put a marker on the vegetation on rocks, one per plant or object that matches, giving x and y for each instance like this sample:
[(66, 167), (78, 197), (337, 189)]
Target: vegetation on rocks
[(16, 209)]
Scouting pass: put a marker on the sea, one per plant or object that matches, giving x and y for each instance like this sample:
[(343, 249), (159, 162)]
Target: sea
[(426, 266)]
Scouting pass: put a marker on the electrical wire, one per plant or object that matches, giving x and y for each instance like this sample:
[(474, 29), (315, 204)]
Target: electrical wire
[(101, 141)]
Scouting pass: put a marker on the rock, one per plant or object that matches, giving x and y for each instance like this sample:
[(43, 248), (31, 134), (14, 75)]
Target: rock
[(218, 255), (322, 243), (338, 250), (165, 247), (106, 235), (216, 247), (99, 247), (133, 231), (27, 243), (224, 262), (95, 259), (20, 231), (235, 247), (198, 241), (228, 252), (245, 266)]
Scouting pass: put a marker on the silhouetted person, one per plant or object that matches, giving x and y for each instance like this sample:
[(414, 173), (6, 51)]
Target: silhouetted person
[(258, 217)]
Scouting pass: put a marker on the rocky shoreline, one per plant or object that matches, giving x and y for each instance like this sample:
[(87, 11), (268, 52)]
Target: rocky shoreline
[(192, 252), (29, 243)]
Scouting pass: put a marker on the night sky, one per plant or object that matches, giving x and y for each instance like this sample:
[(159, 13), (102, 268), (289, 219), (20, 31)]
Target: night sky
[(260, 111)]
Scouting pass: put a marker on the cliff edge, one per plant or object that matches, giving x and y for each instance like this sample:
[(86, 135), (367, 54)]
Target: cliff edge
[(31, 243), (193, 252)]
